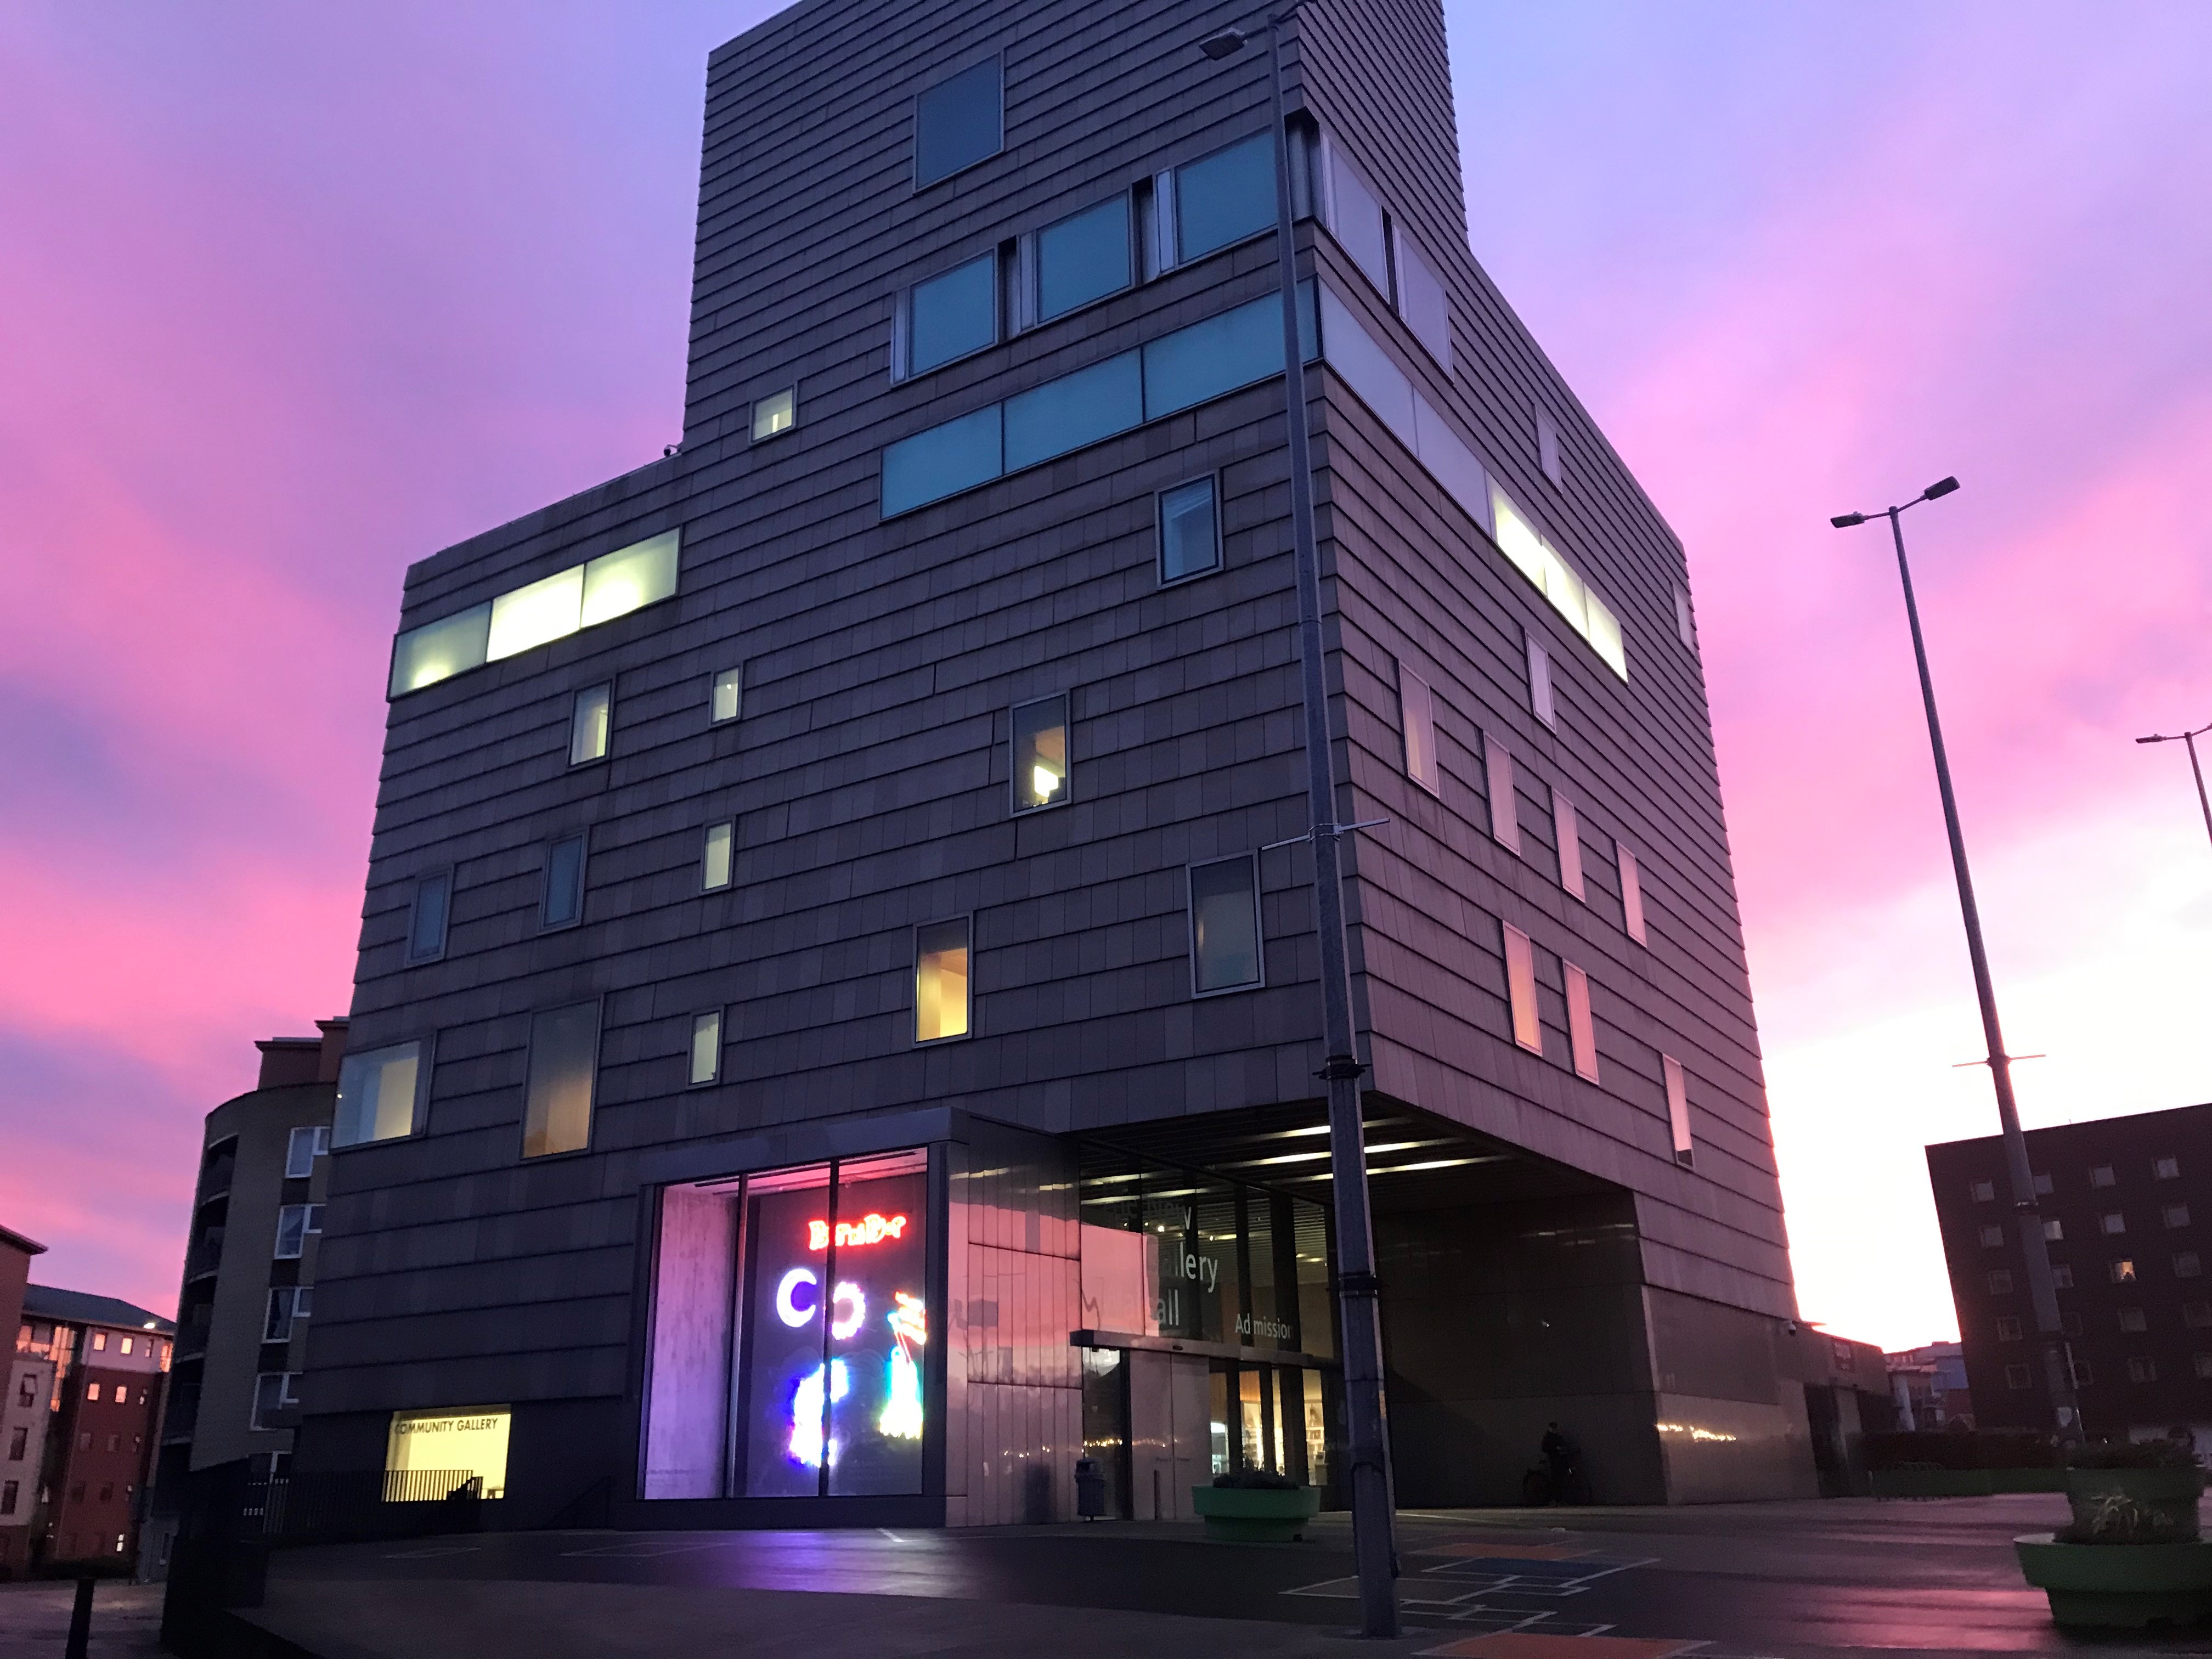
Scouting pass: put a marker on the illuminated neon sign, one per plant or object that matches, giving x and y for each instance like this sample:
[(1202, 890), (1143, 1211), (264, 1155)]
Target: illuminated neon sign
[(806, 1413), (870, 1229), (799, 1298), (900, 1419)]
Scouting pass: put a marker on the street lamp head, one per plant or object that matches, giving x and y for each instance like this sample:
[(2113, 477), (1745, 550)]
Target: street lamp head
[(2155, 738), (1226, 43), (1940, 489), (1846, 520)]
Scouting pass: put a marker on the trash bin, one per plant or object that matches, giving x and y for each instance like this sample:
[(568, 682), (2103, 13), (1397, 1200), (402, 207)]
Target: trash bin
[(1090, 1490)]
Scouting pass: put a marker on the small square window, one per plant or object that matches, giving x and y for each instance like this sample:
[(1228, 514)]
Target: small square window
[(2112, 1223), (1190, 531), (1417, 716), (2167, 1169), (2054, 1230), (726, 697), (706, 1047), (1985, 1192), (714, 861), (2132, 1319), (2000, 1282), (427, 917), (380, 1094), (99, 1341), (2102, 1176), (2008, 1329), (958, 122), (2186, 1265), (564, 883), (2144, 1370), (92, 1391), (2042, 1187), (775, 414), (941, 981), (2197, 1315), (1540, 683), (2121, 1273), (2061, 1276), (2016, 1377), (589, 718), (1225, 944), (2176, 1215), (1040, 754), (1992, 1238)]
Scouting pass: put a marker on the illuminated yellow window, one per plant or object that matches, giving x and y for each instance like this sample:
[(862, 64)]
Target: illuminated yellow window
[(940, 981), (775, 414), (629, 579), (1041, 753), (429, 1455)]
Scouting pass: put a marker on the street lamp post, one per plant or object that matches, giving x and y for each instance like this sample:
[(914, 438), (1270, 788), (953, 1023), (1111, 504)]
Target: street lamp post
[(1357, 1288), (2057, 1364), (2189, 738)]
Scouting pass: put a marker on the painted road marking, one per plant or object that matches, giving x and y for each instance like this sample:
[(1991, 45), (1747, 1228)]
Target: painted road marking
[(1531, 1644), (436, 1549)]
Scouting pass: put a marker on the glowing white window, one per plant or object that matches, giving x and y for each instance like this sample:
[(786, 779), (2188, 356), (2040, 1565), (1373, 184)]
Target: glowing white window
[(380, 1093), (630, 578), (706, 1047), (1040, 754), (715, 866), (533, 616), (775, 414), (726, 697), (588, 720)]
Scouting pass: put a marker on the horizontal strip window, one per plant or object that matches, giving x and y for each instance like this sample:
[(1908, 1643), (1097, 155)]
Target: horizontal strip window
[(598, 591), (1217, 201), (1178, 371), (1387, 390)]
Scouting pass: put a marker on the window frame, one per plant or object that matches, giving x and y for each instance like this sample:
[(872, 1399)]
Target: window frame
[(1014, 807), (582, 837), (319, 1138), (1520, 1000), (1258, 926), (760, 409), (1582, 1024), (605, 690), (415, 909), (735, 679), (1029, 263), (1543, 702), (904, 368), (1567, 836), (1631, 873), (311, 1226), (1497, 786), (598, 1006), (1212, 481), (1679, 1128), (966, 921), (1167, 195), (707, 852), (1417, 713), (913, 119), (1548, 459), (418, 1121), (691, 1052)]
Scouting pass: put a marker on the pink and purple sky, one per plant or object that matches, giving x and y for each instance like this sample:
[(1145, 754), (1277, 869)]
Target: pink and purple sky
[(292, 296)]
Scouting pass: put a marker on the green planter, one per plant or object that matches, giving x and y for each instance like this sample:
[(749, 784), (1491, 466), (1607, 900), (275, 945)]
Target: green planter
[(1246, 1515), (2119, 1586), (2132, 1507)]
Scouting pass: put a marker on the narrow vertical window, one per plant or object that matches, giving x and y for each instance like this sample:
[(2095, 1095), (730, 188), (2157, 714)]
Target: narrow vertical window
[(940, 981), (1497, 778), (958, 122), (564, 1053), (291, 1231), (1417, 710), (1190, 531), (1355, 216), (706, 1047), (426, 922), (715, 866), (1582, 1030), (1520, 988), (309, 1142), (1685, 623), (1040, 768), (1569, 834), (1421, 299), (1224, 924), (1677, 1110), (1539, 682), (1631, 894), (587, 724), (1547, 446), (726, 697), (564, 882), (775, 414)]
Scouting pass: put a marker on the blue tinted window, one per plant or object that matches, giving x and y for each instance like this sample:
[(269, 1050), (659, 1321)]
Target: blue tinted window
[(1073, 410), (1206, 359), (1083, 257), (564, 881), (958, 123), (1224, 198), (954, 314), (942, 461), (427, 937), (1190, 532)]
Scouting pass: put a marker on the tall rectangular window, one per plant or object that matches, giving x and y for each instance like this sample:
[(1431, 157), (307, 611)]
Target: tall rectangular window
[(1540, 683), (1547, 447), (1421, 300), (303, 1146), (941, 981), (1678, 1115), (1582, 1030), (380, 1095), (952, 315), (1190, 531), (1040, 764), (1224, 198), (775, 414), (287, 1303), (1224, 924), (725, 697), (1497, 778), (426, 916), (296, 1225), (714, 863), (1521, 989), (1416, 711), (588, 720), (564, 882), (958, 123), (1083, 257), (1685, 623), (564, 1053), (706, 1047), (1631, 894), (1355, 216), (1568, 832)]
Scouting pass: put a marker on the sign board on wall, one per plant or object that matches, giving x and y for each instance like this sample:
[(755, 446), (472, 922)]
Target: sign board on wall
[(472, 1441)]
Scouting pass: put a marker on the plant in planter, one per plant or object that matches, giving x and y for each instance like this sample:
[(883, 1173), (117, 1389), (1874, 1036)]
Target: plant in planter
[(1252, 1506), (2133, 1556)]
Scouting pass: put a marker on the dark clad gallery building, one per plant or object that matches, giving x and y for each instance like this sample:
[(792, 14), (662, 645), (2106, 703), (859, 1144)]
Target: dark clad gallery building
[(835, 1026)]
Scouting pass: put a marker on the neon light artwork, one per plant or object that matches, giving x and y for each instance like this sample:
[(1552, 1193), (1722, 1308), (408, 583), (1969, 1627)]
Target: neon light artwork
[(902, 1413), (788, 1307), (870, 1229), (806, 1413), (855, 1306)]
